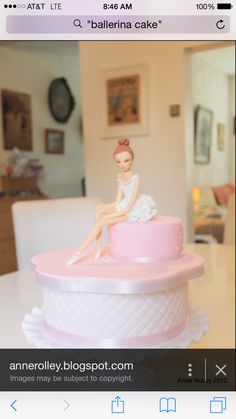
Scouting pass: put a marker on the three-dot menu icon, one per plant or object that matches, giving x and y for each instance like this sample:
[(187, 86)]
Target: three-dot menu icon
[(190, 370)]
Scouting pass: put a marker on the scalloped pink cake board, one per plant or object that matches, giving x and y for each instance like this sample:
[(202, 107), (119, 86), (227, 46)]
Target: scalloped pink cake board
[(109, 276), (104, 303)]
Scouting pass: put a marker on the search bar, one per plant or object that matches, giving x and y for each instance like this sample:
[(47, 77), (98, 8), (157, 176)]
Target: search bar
[(118, 24)]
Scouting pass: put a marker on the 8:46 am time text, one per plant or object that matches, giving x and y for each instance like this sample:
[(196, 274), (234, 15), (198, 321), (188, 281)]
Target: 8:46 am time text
[(116, 6)]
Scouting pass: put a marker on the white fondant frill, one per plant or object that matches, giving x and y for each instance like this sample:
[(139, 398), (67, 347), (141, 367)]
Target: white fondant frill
[(35, 334)]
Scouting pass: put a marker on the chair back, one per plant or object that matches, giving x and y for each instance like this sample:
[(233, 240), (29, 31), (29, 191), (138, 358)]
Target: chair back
[(47, 225)]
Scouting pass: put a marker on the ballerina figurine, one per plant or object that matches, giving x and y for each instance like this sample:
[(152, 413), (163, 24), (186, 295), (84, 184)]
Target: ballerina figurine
[(128, 206)]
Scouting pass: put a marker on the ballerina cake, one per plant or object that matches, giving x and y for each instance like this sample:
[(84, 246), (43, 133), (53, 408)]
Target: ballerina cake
[(131, 293)]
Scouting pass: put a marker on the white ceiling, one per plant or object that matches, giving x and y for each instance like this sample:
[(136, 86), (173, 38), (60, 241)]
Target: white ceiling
[(51, 47), (221, 58)]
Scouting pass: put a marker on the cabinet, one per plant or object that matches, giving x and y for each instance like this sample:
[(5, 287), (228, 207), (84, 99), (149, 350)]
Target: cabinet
[(211, 226), (8, 261)]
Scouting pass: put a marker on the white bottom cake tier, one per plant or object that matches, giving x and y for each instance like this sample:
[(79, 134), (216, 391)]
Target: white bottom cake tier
[(107, 304), (33, 328), (114, 320)]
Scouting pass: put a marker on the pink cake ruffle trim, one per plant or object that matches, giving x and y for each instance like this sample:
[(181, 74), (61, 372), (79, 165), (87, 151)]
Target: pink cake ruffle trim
[(86, 341)]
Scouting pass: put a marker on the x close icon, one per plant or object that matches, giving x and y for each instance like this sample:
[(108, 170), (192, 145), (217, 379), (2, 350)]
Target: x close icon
[(221, 370)]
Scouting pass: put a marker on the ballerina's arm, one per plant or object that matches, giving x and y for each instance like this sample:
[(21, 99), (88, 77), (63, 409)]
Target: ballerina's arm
[(119, 195), (130, 204)]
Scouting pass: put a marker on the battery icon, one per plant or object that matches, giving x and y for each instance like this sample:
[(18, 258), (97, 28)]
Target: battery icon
[(224, 6)]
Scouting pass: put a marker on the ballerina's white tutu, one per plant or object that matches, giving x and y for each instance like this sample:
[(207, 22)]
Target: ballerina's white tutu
[(144, 208)]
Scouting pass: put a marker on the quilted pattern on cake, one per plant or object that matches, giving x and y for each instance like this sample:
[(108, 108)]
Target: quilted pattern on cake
[(114, 315)]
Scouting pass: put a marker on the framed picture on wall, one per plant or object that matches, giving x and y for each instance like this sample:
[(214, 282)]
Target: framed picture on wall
[(221, 136), (124, 106), (54, 141), (203, 133), (17, 131)]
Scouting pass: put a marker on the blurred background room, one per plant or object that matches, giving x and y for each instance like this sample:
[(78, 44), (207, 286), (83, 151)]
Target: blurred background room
[(56, 143), (63, 107)]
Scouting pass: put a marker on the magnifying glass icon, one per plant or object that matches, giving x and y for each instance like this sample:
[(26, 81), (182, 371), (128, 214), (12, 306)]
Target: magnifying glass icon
[(77, 23)]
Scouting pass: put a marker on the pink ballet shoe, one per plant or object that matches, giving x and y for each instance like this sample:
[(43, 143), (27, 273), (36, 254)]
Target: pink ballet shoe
[(97, 254), (75, 258)]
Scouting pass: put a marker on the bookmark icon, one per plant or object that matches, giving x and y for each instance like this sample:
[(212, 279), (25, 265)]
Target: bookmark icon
[(167, 404)]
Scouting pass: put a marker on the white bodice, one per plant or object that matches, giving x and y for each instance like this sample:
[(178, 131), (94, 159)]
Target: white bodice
[(144, 207), (127, 187)]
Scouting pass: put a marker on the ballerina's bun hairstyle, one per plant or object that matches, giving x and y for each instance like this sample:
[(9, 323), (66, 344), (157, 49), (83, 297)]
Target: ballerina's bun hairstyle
[(123, 145)]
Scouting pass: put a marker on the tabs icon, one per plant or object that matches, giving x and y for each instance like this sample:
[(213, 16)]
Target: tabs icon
[(218, 404)]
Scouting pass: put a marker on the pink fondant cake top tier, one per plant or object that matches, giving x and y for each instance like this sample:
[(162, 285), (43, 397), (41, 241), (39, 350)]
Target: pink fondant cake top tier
[(158, 239)]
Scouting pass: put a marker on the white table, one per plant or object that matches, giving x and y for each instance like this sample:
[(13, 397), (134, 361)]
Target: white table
[(214, 292)]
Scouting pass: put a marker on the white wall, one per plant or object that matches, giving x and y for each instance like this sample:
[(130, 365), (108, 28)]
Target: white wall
[(30, 69), (231, 87), (210, 90), (161, 157)]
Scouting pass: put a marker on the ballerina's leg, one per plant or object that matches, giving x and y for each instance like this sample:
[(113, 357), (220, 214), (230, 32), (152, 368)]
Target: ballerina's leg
[(103, 210), (98, 215), (98, 247), (95, 234), (97, 230)]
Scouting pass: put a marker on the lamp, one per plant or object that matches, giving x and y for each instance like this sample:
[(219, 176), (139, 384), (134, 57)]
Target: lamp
[(196, 196)]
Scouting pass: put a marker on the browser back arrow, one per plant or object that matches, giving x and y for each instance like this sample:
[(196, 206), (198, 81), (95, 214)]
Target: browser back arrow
[(12, 405)]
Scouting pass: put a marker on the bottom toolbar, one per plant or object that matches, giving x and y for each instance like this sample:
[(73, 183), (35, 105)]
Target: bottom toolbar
[(132, 405), (117, 370)]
